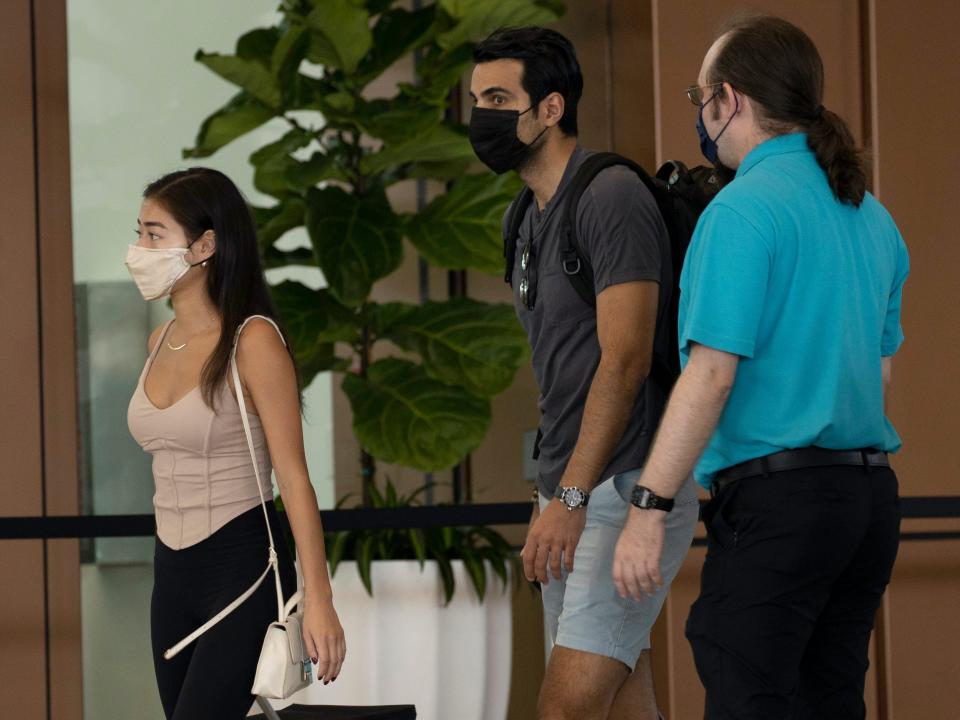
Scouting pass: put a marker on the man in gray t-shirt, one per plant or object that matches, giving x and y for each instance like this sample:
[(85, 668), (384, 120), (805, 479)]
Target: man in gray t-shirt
[(622, 234), (591, 363)]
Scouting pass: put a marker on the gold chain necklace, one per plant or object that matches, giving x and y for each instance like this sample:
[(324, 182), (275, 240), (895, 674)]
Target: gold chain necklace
[(181, 347)]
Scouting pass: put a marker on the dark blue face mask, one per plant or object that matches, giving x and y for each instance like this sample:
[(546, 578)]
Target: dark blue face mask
[(708, 145)]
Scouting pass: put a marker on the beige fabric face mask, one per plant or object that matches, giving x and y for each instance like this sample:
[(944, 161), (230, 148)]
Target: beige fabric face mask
[(156, 270)]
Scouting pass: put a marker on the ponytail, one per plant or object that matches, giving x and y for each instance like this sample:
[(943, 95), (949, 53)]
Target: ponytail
[(830, 139), (778, 67)]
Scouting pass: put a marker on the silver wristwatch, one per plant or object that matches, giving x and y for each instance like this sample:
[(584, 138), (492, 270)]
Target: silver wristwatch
[(572, 497)]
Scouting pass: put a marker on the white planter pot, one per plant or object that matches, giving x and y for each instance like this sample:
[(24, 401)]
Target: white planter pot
[(405, 647)]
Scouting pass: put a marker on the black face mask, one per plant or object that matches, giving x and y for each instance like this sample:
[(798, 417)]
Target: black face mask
[(493, 134)]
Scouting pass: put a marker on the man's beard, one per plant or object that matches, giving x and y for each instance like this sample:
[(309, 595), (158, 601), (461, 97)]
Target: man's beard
[(534, 155)]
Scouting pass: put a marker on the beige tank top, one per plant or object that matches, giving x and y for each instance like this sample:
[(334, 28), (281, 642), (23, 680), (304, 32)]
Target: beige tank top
[(201, 464)]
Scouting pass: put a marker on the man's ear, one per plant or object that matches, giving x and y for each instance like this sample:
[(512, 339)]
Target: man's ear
[(730, 99), (551, 109)]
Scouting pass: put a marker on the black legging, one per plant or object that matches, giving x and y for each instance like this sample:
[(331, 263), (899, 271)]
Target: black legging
[(212, 677)]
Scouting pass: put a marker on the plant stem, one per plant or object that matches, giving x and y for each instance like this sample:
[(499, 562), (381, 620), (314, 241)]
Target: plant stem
[(368, 464)]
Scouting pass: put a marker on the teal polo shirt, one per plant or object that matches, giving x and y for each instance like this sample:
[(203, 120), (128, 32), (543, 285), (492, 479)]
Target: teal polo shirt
[(806, 290)]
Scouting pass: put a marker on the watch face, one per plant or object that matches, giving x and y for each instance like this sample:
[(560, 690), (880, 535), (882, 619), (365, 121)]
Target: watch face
[(645, 498), (573, 497)]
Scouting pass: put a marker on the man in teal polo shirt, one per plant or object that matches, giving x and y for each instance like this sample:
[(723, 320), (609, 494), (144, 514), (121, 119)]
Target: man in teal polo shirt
[(789, 316)]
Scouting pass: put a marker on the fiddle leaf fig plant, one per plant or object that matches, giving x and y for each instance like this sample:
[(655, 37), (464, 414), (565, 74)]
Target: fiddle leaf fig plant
[(339, 149)]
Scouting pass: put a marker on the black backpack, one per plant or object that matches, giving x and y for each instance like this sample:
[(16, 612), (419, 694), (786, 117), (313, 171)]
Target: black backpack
[(681, 195)]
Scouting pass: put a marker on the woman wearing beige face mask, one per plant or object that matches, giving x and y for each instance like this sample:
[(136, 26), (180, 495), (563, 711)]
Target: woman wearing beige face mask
[(197, 244)]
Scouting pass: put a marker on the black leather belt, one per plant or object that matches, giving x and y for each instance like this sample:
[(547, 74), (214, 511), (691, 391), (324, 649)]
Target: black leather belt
[(799, 459)]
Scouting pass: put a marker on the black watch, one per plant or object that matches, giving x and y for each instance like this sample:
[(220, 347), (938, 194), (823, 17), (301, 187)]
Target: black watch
[(572, 497), (646, 499)]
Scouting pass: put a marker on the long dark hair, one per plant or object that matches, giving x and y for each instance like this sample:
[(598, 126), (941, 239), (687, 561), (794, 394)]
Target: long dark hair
[(202, 199), (777, 66), (549, 65)]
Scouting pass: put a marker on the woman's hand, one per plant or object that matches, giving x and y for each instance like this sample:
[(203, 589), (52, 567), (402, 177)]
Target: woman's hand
[(324, 638)]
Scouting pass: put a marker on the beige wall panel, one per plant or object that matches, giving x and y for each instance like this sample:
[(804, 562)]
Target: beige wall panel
[(23, 692), (684, 697), (916, 125), (19, 357), (22, 653), (56, 260), (633, 114), (924, 631), (60, 441), (585, 23), (66, 657), (528, 664)]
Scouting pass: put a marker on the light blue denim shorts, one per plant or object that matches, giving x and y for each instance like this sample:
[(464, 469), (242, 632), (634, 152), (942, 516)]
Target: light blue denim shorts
[(583, 610)]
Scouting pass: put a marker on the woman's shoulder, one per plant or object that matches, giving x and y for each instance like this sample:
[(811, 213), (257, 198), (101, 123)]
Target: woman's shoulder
[(260, 333)]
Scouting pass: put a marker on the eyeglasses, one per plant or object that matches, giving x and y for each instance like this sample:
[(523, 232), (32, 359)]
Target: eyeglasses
[(695, 92), (527, 285)]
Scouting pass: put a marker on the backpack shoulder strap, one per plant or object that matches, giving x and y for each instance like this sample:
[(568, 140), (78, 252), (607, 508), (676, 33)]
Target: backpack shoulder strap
[(515, 215), (576, 264)]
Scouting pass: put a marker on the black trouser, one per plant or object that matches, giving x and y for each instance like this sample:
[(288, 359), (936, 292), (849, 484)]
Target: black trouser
[(796, 565), (212, 677)]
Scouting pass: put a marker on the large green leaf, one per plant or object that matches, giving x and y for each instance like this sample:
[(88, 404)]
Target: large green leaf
[(313, 315), (446, 171), (439, 72), (321, 166), (396, 33), (275, 258), (238, 117), (397, 119), (462, 228), (258, 45), (475, 345), (315, 321), (249, 75), (272, 161), (274, 222), (338, 108), (341, 34), (304, 92), (375, 7), (356, 239), (402, 415), (442, 143), (289, 51), (478, 18)]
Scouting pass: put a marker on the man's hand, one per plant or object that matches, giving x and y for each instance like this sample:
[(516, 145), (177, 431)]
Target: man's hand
[(636, 562), (553, 535)]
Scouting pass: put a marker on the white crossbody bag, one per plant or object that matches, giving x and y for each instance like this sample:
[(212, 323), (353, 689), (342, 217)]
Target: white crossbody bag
[(284, 666)]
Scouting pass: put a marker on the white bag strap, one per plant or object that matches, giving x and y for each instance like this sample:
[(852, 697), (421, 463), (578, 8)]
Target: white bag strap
[(281, 616), (283, 609), (217, 618)]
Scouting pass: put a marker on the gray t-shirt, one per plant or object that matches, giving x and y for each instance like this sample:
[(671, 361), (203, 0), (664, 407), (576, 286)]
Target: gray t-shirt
[(623, 235)]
